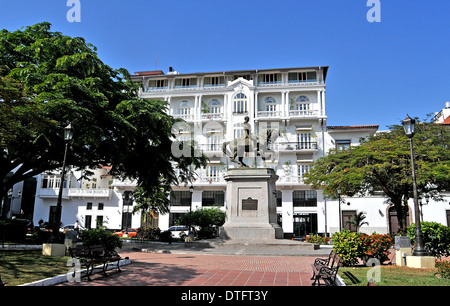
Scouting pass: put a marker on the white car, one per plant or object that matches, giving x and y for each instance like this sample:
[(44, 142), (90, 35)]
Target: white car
[(176, 230)]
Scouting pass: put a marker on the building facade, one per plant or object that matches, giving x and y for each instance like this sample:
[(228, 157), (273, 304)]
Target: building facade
[(214, 106)]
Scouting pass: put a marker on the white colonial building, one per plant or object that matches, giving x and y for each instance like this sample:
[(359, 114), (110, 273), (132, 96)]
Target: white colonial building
[(214, 105)]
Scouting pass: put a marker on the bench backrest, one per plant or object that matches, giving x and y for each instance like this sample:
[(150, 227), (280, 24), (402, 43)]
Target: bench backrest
[(97, 250), (79, 251)]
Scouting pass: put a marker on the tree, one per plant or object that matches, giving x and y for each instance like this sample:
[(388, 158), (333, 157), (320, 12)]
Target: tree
[(49, 80), (382, 163), (358, 220), (208, 219)]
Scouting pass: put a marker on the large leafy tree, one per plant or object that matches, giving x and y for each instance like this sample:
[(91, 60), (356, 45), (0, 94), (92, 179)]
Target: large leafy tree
[(48, 80), (383, 163)]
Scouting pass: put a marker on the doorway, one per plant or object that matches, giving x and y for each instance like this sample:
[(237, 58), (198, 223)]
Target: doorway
[(305, 224)]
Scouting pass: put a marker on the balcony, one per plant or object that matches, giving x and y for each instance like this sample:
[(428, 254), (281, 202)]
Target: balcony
[(269, 115), (303, 113), (290, 180), (212, 149), (186, 117), (297, 147), (52, 193), (212, 116), (89, 193)]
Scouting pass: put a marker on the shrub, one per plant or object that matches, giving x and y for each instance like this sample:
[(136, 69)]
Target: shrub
[(376, 246), (12, 230), (443, 268), (349, 246), (166, 236), (148, 233), (318, 239), (208, 219), (101, 236), (436, 238)]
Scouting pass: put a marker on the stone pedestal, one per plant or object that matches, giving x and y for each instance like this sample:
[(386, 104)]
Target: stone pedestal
[(400, 260), (53, 249), (420, 262), (251, 205)]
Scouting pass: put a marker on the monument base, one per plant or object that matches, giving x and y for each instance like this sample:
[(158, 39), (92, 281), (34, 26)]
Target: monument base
[(251, 231), (420, 262)]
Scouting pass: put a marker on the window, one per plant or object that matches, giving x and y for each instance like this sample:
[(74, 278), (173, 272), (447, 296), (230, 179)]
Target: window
[(279, 198), (270, 104), (180, 198), (269, 78), (304, 198), (214, 143), (100, 206), (303, 169), (88, 222), (212, 173), (186, 83), (184, 109), (304, 141), (213, 198), (214, 106), (300, 77), (238, 130), (89, 206), (247, 77), (240, 103), (343, 145), (214, 81), (157, 84), (99, 221)]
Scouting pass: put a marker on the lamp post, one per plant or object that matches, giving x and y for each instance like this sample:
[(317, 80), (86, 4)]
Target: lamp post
[(409, 125), (339, 194), (68, 135), (191, 190)]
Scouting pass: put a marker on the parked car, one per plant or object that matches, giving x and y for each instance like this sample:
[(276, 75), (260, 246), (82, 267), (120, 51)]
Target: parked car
[(67, 227), (179, 230), (132, 232)]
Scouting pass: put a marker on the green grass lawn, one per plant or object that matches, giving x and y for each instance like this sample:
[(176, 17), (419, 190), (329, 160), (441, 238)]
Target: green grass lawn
[(21, 267), (392, 276)]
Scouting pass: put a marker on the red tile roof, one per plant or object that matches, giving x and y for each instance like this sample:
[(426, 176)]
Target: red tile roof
[(350, 127)]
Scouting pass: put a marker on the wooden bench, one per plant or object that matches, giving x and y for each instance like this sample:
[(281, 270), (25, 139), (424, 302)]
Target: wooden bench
[(91, 256), (326, 269)]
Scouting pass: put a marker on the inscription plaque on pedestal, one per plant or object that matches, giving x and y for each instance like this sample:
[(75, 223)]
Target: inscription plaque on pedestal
[(249, 204)]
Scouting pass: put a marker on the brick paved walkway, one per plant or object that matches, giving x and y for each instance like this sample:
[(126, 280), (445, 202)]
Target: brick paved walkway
[(159, 269)]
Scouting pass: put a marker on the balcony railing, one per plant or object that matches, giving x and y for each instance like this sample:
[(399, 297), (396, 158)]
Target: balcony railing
[(186, 117), (212, 116), (269, 114), (91, 192), (52, 193), (303, 113), (295, 146)]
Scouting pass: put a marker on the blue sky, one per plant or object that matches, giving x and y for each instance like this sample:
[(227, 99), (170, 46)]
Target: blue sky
[(378, 71)]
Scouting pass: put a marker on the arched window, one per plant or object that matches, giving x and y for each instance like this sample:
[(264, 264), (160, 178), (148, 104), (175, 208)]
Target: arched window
[(302, 105), (270, 104), (214, 106), (240, 103), (184, 109)]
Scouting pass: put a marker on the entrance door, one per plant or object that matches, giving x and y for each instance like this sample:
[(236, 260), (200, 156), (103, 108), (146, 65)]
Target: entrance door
[(346, 216), (393, 221), (448, 217), (305, 224)]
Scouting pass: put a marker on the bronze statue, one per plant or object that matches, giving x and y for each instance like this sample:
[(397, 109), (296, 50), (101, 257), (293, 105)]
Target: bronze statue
[(249, 143)]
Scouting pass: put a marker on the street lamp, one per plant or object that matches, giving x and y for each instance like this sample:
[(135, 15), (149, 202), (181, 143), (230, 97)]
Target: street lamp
[(68, 135), (191, 190), (339, 194), (409, 125)]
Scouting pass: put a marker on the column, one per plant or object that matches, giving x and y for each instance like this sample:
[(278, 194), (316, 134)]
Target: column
[(196, 202)]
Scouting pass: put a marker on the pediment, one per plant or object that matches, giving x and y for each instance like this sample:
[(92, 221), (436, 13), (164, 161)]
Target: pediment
[(240, 84)]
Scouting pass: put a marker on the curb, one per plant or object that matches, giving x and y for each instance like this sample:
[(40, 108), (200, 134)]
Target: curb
[(63, 277)]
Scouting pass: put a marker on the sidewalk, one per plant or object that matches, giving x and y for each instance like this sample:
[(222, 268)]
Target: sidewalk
[(175, 265)]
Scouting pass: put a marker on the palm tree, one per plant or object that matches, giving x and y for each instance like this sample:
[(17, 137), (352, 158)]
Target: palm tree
[(358, 220)]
